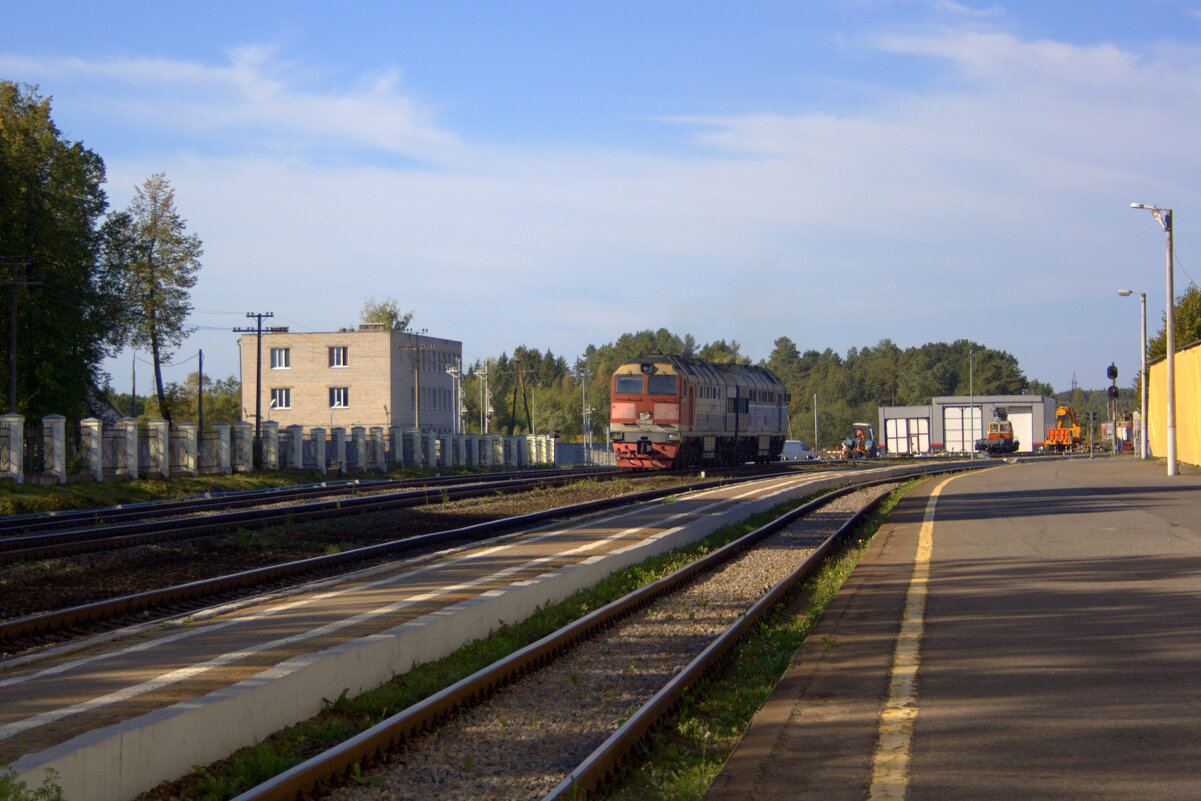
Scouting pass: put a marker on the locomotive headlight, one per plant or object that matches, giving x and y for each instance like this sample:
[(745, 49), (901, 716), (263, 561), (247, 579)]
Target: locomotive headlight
[(673, 435)]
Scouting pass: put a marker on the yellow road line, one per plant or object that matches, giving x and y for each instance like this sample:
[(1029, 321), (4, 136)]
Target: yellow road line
[(890, 766)]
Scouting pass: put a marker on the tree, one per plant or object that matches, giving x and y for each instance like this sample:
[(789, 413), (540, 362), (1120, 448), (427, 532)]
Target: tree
[(1186, 318), (387, 312), (149, 247), (222, 400), (67, 306)]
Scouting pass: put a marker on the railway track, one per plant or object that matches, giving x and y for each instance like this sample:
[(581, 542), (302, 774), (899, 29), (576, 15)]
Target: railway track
[(558, 717), (26, 633), (63, 534)]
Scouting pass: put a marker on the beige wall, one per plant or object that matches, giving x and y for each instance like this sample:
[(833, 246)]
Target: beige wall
[(378, 377)]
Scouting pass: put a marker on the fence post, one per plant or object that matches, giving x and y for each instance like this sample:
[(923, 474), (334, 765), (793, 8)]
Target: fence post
[(430, 447), (223, 451), (243, 447), (91, 432), (12, 429), (396, 436), (318, 437), (160, 445), (128, 426), (270, 458), (296, 443), (191, 458), (377, 441), (54, 442)]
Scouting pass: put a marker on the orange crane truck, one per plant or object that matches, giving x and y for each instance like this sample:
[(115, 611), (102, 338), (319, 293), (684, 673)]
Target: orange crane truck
[(1065, 436)]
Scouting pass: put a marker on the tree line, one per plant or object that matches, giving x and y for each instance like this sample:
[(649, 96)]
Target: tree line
[(84, 283)]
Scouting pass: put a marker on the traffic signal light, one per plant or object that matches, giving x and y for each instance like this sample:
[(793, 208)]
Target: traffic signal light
[(1113, 392), (1112, 372)]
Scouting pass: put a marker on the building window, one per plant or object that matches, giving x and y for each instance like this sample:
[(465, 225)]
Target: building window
[(281, 398), (337, 356), (339, 397), (281, 358)]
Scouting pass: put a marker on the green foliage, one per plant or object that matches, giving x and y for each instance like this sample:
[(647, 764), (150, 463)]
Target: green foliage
[(13, 790), (387, 312), (850, 389), (148, 247), (1186, 324), (51, 201)]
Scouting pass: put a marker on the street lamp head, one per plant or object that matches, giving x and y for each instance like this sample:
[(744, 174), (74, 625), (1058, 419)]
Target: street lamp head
[(1139, 206), (1125, 293)]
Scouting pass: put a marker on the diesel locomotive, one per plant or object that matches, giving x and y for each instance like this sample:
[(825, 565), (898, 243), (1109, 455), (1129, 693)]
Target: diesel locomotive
[(672, 411)]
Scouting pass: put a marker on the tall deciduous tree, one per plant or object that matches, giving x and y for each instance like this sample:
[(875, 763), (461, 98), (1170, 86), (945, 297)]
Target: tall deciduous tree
[(50, 204), (149, 246)]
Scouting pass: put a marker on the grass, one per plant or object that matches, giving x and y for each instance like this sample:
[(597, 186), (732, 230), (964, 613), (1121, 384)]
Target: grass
[(18, 499), (13, 790)]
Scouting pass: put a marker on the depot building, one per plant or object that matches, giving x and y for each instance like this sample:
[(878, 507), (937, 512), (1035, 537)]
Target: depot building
[(953, 423)]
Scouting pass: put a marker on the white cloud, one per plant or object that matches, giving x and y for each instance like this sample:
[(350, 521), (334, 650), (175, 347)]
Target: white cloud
[(895, 221)]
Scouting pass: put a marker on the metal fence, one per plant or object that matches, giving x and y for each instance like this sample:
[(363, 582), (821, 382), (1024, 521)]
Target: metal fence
[(177, 445), (309, 454), (113, 456), (209, 454), (34, 458)]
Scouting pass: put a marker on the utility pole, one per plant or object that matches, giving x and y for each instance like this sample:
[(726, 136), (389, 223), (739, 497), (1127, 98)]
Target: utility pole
[(258, 377), (415, 349), (200, 395), (17, 279)]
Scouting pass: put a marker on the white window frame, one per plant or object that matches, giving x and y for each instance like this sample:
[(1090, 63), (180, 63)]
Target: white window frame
[(281, 358), (339, 397), (281, 398), (339, 356)]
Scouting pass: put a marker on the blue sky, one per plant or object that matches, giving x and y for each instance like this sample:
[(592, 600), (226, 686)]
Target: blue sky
[(557, 174)]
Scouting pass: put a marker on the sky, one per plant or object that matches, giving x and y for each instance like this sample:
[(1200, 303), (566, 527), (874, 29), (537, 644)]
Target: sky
[(556, 174)]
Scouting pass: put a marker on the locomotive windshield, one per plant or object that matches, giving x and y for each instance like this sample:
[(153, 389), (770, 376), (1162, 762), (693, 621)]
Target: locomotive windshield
[(664, 385), (627, 385)]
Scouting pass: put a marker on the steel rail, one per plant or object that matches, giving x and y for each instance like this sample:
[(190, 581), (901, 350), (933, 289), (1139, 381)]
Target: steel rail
[(138, 603), (30, 524), (373, 745), (89, 540)]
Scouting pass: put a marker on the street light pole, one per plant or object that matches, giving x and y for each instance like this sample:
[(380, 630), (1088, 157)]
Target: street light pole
[(1164, 217), (1142, 345), (971, 407)]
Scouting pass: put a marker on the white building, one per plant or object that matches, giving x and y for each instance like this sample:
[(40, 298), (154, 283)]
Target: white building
[(953, 423)]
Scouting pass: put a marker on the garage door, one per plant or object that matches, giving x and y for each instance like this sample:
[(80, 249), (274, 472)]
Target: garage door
[(1022, 418), (907, 435), (960, 431)]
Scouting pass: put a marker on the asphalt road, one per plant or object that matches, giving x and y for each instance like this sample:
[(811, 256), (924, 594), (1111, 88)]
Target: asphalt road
[(1056, 647)]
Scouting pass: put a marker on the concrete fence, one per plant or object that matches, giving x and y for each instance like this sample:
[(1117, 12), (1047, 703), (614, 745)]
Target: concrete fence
[(120, 451)]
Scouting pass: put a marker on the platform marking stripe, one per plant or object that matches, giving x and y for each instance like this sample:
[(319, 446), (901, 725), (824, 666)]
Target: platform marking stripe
[(890, 766)]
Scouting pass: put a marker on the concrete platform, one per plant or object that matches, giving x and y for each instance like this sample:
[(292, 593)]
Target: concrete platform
[(1056, 649)]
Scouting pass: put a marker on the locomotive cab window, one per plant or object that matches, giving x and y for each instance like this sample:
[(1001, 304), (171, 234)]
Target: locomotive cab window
[(627, 385), (664, 385)]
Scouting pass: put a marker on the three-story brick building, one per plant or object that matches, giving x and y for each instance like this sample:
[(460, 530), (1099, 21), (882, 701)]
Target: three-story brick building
[(369, 376)]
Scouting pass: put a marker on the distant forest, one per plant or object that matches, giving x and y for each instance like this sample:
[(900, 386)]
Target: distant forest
[(537, 391)]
